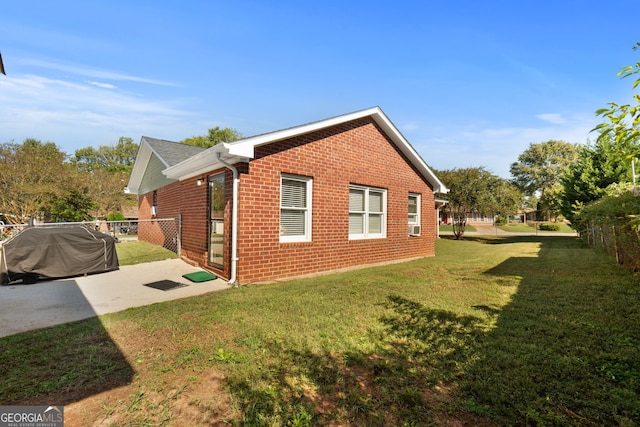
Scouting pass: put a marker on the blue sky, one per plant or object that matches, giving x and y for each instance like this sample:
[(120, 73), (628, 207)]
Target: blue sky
[(469, 83)]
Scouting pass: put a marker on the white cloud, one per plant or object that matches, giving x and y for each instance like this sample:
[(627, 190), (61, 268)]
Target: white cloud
[(75, 115), (555, 119), (102, 85), (89, 72)]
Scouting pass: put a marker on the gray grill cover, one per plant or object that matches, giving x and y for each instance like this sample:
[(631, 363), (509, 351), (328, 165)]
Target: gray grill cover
[(55, 252)]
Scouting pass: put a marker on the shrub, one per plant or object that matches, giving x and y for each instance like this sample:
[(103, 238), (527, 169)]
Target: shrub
[(501, 220), (549, 226), (115, 216)]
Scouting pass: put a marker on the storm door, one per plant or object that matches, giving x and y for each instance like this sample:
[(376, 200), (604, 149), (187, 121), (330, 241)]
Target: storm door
[(216, 220)]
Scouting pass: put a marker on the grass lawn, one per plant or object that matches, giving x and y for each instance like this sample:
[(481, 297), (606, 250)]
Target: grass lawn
[(445, 227), (564, 228), (130, 253), (492, 331)]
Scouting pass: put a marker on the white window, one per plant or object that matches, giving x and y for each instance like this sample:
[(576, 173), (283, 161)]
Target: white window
[(295, 208), (414, 214), (367, 212)]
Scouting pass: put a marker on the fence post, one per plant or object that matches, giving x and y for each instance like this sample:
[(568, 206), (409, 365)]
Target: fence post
[(179, 237), (615, 244)]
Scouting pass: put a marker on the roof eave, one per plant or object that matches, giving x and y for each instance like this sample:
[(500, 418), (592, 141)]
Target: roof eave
[(203, 162), (244, 150), (140, 166), (407, 149)]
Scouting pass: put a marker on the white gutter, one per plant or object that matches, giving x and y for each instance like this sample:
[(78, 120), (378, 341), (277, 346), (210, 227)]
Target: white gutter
[(234, 220)]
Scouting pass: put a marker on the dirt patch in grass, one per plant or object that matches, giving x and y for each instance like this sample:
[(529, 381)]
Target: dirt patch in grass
[(170, 386), (179, 399)]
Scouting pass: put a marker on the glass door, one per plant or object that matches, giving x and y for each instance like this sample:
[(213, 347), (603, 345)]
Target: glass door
[(216, 220)]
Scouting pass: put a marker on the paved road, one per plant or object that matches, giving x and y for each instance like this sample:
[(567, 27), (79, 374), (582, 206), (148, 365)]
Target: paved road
[(48, 303)]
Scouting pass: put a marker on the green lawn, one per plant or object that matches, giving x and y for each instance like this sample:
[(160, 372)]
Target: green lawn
[(564, 228), (138, 252), (491, 331), (445, 227)]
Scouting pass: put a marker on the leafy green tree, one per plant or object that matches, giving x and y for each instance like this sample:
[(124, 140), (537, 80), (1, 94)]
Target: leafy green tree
[(75, 206), (539, 169), (610, 160), (623, 121), (106, 190), (477, 190), (118, 158), (36, 182), (215, 136), (598, 166), (107, 169)]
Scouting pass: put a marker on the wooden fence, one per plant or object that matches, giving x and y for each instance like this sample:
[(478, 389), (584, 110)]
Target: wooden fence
[(616, 239)]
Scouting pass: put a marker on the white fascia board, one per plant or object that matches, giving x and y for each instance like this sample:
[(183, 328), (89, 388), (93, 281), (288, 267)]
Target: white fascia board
[(245, 147), (139, 167), (240, 148), (202, 163), (407, 149)]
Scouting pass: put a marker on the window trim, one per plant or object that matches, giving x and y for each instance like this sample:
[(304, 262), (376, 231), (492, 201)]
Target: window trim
[(366, 213), (306, 237), (417, 214)]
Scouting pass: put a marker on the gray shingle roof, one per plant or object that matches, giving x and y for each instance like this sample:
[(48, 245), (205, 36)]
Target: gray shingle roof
[(172, 153)]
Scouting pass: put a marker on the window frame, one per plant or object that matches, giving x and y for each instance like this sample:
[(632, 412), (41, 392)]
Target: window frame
[(367, 213), (306, 236), (417, 215)]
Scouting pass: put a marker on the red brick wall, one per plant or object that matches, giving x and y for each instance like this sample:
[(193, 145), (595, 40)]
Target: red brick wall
[(189, 200), (352, 153), (168, 199)]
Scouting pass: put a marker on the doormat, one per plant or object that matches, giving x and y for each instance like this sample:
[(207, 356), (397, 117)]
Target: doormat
[(165, 285), (200, 276)]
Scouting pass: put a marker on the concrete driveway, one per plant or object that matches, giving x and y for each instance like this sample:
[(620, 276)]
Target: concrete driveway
[(47, 303)]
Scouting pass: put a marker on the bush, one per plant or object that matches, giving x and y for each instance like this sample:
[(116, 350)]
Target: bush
[(549, 226), (501, 220), (115, 216)]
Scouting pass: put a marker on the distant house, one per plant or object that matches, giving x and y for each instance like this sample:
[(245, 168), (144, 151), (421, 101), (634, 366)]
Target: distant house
[(342, 192), (472, 218)]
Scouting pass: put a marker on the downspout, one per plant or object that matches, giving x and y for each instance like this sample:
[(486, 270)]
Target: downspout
[(234, 221)]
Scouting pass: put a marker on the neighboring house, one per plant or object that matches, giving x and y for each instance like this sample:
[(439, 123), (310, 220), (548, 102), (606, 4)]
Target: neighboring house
[(337, 193), (472, 218)]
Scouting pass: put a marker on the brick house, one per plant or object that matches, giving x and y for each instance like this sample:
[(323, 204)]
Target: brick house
[(342, 192)]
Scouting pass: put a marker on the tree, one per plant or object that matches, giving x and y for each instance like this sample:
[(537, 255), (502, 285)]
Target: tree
[(75, 206), (623, 121), (106, 190), (598, 165), (539, 169), (477, 190), (610, 160), (215, 136), (36, 180), (107, 170), (118, 158)]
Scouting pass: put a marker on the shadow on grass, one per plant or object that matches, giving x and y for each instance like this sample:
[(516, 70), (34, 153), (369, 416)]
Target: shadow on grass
[(304, 387), (564, 351), (404, 382), (64, 364)]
